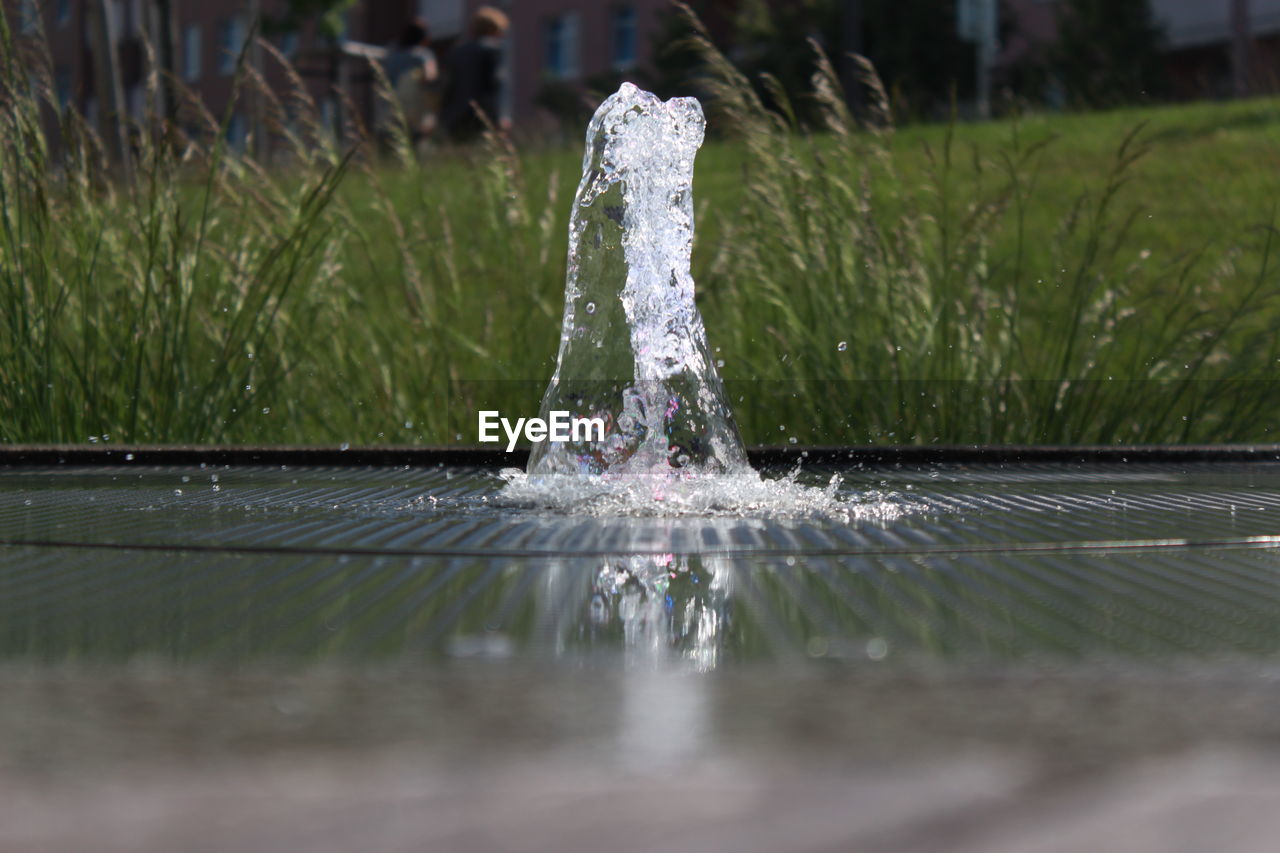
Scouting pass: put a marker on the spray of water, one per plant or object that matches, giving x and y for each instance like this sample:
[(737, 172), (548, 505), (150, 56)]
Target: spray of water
[(633, 349)]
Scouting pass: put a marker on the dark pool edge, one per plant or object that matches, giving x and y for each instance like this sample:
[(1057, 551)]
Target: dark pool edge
[(26, 455)]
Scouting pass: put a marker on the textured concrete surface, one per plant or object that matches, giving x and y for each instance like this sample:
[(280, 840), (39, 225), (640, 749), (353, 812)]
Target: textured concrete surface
[(502, 758)]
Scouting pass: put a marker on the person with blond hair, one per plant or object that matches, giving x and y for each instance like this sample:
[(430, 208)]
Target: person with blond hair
[(473, 94)]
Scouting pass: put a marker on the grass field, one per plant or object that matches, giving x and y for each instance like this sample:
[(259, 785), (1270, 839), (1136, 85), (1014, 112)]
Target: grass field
[(1100, 278)]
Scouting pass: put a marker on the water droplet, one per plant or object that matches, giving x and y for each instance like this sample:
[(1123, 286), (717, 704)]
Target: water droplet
[(591, 308), (719, 362), (842, 346), (344, 446), (177, 491), (266, 410), (186, 479), (248, 387), (128, 457), (408, 424)]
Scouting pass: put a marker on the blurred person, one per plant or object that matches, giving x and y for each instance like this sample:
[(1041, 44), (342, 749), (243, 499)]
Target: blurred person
[(473, 94), (414, 75)]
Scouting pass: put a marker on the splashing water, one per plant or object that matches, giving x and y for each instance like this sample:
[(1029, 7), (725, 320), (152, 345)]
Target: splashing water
[(633, 349)]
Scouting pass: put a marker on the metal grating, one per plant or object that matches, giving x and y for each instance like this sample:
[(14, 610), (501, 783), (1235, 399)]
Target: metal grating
[(990, 561)]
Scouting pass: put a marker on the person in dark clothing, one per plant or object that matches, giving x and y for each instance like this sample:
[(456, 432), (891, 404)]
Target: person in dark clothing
[(473, 93)]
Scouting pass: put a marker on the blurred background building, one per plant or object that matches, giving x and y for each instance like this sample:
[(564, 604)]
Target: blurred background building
[(562, 53)]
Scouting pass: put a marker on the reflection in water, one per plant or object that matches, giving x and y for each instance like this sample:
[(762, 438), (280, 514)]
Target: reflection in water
[(673, 596), (660, 608), (669, 614), (666, 607)]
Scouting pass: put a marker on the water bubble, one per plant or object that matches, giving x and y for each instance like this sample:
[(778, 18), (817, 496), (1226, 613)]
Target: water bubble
[(591, 308), (719, 362), (177, 492), (877, 648), (842, 346), (408, 424), (266, 410), (186, 478), (128, 457), (344, 446)]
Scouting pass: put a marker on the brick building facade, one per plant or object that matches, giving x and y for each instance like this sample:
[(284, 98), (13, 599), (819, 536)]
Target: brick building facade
[(561, 44), (551, 42)]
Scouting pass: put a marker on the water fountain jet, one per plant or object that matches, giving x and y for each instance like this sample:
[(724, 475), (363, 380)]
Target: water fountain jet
[(633, 349)]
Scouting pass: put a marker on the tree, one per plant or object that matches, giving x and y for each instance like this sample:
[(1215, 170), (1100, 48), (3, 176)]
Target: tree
[(1108, 52), (327, 15), (329, 22), (918, 54), (912, 43)]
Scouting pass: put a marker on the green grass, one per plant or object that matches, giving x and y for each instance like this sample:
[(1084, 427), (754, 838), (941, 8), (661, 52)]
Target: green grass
[(1101, 278)]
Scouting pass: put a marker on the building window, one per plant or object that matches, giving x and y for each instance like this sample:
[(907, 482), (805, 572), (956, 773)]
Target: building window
[(29, 17), (62, 85), (328, 114), (192, 56), (624, 37), (136, 98), (115, 17), (62, 13), (231, 37), (134, 22), (237, 132), (561, 45)]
